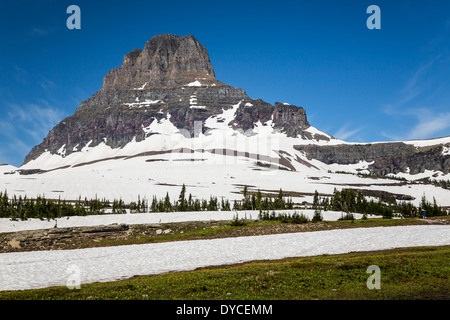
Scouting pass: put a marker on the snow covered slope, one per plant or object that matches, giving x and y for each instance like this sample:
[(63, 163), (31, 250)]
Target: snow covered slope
[(262, 143), (218, 162)]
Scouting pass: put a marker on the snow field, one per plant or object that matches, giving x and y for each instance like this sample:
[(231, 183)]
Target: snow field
[(211, 175), (38, 269)]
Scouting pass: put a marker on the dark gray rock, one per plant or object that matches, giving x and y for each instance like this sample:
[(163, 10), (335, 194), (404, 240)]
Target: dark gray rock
[(388, 158), (161, 72), (166, 60)]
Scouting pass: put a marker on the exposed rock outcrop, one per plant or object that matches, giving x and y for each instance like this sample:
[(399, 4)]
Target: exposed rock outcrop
[(387, 158), (162, 79)]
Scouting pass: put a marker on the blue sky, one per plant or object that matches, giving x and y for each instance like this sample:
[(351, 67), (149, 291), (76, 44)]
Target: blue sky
[(357, 84)]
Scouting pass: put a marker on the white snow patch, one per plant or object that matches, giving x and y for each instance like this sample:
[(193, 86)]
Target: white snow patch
[(147, 103), (7, 169), (39, 269), (143, 86), (416, 143), (359, 167), (62, 151), (446, 151), (428, 142), (193, 103), (426, 174), (197, 107), (196, 83), (315, 131), (86, 148)]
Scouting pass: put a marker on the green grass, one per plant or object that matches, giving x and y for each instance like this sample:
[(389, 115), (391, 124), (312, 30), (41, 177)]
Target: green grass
[(410, 273)]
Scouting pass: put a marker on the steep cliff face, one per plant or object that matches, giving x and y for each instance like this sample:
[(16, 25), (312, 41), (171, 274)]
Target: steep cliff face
[(172, 77), (166, 60), (387, 158)]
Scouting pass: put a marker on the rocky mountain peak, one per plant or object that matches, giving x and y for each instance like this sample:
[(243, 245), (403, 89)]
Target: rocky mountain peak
[(166, 60), (170, 78)]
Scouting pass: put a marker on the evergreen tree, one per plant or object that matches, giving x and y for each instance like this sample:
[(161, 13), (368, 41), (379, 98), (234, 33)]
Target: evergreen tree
[(336, 201), (204, 205), (436, 210), (264, 204), (190, 203), (316, 200), (246, 201), (167, 204), (325, 204), (225, 205), (236, 205), (279, 202), (253, 201), (317, 216), (212, 206), (289, 204), (182, 206), (154, 205), (244, 193), (197, 205), (258, 201)]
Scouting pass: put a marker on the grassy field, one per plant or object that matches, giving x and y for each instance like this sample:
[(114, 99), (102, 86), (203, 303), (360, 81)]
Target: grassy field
[(410, 273)]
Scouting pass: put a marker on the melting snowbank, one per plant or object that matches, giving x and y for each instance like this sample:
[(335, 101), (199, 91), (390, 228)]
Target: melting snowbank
[(26, 270)]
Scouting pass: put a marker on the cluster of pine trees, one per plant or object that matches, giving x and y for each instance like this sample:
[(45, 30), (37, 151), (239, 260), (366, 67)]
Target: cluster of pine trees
[(349, 200), (24, 208), (295, 217), (255, 201), (188, 204)]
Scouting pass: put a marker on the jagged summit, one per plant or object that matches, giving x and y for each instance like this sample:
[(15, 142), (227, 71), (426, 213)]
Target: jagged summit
[(165, 97), (166, 60), (171, 79)]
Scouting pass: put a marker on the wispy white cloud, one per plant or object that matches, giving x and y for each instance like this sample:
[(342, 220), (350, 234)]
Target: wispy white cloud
[(25, 125), (412, 89), (429, 124), (415, 108), (20, 74), (347, 132), (40, 31), (37, 120), (46, 84)]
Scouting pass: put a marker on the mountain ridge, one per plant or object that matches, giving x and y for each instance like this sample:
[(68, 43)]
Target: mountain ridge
[(171, 75), (172, 82)]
